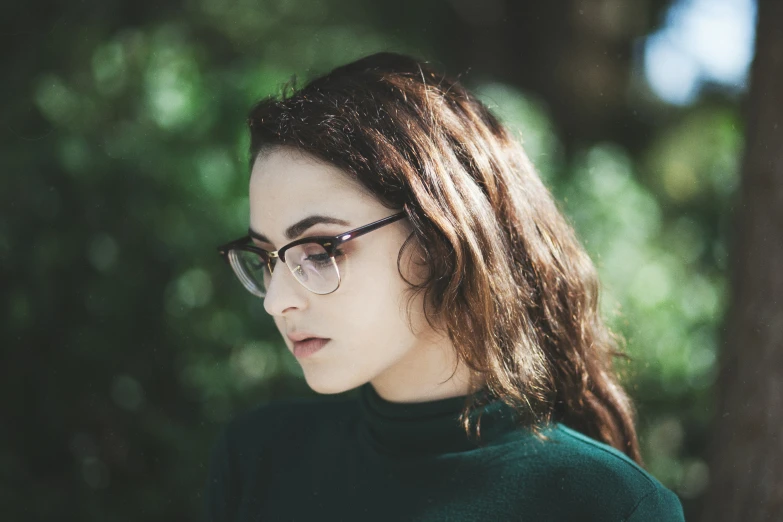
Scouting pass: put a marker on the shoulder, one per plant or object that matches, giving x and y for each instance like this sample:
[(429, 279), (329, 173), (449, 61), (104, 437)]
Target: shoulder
[(597, 480), (573, 451)]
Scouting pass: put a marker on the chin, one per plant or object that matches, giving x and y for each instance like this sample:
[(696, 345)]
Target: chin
[(330, 384)]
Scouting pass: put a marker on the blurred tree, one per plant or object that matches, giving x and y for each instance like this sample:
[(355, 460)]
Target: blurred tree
[(577, 55), (746, 462)]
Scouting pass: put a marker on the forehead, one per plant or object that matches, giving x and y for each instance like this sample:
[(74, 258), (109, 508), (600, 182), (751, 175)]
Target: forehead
[(287, 185), (288, 172)]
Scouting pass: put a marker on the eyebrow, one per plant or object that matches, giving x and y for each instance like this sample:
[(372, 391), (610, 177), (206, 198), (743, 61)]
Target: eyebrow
[(298, 228)]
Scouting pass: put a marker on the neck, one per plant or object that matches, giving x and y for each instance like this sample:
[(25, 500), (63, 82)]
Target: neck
[(426, 374), (427, 427)]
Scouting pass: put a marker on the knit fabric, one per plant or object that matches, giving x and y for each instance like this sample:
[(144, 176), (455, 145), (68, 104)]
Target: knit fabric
[(367, 459)]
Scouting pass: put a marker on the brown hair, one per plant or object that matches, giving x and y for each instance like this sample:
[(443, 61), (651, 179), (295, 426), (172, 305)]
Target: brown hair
[(507, 278)]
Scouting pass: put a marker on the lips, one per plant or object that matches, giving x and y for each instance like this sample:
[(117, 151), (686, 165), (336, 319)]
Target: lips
[(308, 347), (301, 336)]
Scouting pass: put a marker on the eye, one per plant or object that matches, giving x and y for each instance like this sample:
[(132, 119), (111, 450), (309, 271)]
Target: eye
[(260, 259), (316, 254), (257, 262), (320, 259)]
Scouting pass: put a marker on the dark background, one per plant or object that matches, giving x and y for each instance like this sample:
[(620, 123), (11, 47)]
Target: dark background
[(126, 342)]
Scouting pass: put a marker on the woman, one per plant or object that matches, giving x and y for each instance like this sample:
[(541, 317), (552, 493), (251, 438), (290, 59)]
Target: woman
[(405, 247)]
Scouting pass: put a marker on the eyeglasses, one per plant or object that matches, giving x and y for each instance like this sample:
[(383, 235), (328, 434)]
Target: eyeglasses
[(310, 259)]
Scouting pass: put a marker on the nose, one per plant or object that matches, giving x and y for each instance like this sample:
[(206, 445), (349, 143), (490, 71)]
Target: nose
[(284, 293)]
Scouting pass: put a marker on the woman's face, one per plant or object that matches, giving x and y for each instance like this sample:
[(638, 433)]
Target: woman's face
[(366, 317)]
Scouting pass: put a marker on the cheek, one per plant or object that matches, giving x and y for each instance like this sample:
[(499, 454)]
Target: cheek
[(280, 323), (371, 292), (374, 275)]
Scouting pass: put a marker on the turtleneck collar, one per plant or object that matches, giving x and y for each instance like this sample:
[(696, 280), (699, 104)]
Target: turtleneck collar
[(427, 428)]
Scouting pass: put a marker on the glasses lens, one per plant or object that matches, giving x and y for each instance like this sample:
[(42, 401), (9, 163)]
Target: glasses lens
[(251, 269), (310, 264), (313, 267)]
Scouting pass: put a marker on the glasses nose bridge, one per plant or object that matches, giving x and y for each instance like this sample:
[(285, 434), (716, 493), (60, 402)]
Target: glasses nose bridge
[(273, 255), (283, 274)]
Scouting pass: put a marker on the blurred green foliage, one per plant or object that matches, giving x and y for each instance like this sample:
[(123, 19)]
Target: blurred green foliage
[(128, 340)]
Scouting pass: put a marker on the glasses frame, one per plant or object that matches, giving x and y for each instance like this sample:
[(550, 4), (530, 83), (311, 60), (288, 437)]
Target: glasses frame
[(329, 243)]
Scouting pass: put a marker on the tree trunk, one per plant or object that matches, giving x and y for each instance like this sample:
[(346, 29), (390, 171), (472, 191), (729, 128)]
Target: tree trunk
[(746, 458)]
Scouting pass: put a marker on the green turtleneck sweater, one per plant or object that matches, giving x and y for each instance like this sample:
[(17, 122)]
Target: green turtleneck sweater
[(368, 459)]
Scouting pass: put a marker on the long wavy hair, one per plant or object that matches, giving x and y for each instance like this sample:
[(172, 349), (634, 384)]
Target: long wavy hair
[(506, 277)]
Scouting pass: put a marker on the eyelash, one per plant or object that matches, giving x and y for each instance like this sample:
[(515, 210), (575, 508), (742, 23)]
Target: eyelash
[(338, 253)]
